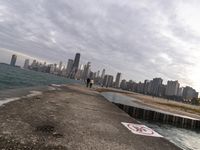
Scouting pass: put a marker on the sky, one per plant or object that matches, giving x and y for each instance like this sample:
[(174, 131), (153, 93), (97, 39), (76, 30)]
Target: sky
[(142, 39)]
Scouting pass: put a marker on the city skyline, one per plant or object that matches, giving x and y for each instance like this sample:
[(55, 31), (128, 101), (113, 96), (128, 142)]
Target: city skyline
[(103, 72), (163, 43), (77, 71)]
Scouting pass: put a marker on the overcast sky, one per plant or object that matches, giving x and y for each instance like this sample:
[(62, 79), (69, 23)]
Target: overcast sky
[(140, 38)]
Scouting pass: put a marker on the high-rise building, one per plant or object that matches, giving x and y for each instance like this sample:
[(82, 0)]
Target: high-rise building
[(69, 66), (156, 83), (76, 60), (172, 88), (131, 85), (180, 92), (117, 80), (13, 60), (103, 73), (189, 93), (146, 86), (86, 71), (26, 64), (123, 84), (98, 73), (161, 90), (60, 66), (108, 81), (75, 65)]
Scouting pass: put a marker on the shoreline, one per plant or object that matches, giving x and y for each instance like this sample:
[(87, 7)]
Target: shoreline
[(158, 103)]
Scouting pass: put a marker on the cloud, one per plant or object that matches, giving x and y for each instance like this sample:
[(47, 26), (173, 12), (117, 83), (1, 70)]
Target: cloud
[(141, 39)]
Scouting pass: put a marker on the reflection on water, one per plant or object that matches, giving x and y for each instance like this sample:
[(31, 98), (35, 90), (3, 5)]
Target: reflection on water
[(186, 139)]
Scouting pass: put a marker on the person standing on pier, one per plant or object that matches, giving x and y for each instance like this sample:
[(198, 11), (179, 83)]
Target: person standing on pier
[(91, 83), (88, 82)]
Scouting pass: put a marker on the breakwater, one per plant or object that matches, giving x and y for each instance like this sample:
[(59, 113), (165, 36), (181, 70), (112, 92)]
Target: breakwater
[(148, 113)]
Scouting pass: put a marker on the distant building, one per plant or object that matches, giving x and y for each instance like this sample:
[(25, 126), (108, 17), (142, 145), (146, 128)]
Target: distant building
[(75, 65), (180, 92), (108, 81), (161, 90), (117, 80), (91, 75), (51, 68), (86, 71), (13, 60), (140, 87), (69, 66), (189, 93), (123, 84), (98, 73), (103, 73), (60, 66), (172, 88), (26, 64), (156, 83), (146, 86), (131, 85)]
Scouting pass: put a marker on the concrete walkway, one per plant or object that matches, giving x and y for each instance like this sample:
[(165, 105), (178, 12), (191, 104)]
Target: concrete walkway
[(72, 118)]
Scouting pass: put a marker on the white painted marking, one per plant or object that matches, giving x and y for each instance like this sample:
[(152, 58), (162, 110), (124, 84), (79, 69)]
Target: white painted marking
[(140, 129)]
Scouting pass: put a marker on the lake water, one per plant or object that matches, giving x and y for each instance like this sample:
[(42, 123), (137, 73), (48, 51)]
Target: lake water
[(183, 138), (13, 78)]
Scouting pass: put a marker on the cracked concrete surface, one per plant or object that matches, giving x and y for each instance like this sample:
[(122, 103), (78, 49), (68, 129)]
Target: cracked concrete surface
[(74, 118)]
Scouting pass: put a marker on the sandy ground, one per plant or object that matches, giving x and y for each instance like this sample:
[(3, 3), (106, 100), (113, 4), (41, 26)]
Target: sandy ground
[(70, 118), (160, 103)]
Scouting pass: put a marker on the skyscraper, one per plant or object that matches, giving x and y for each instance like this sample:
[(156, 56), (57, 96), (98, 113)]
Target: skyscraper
[(172, 88), (189, 93), (103, 73), (98, 73), (69, 66), (180, 91), (60, 66), (26, 64), (117, 80), (75, 65), (86, 71), (156, 83), (108, 81), (123, 84), (13, 60)]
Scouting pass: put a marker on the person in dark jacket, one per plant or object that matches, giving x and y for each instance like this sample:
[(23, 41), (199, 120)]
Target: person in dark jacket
[(88, 82)]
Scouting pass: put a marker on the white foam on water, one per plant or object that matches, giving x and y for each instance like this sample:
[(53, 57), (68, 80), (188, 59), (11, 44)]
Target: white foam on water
[(51, 88), (7, 100), (32, 94), (56, 85)]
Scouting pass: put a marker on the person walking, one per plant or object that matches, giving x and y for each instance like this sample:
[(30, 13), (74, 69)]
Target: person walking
[(91, 83), (88, 82)]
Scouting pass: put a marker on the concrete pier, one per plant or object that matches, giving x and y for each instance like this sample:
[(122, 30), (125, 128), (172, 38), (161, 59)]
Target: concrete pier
[(71, 118), (161, 117)]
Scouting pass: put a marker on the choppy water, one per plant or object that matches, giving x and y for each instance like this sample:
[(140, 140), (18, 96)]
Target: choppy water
[(12, 78), (183, 138)]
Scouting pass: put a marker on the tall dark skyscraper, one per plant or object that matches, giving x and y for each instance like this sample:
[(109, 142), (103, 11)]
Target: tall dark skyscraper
[(13, 60), (69, 66), (117, 80), (75, 65), (76, 60)]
